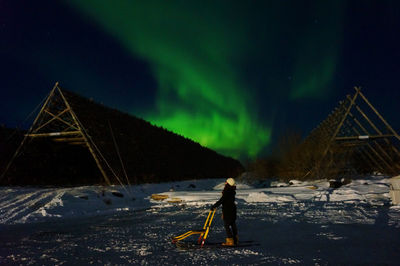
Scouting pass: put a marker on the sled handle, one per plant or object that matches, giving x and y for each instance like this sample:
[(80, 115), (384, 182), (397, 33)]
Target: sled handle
[(208, 228)]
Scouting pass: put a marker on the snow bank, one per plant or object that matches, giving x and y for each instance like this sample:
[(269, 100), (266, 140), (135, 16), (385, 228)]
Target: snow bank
[(25, 205)]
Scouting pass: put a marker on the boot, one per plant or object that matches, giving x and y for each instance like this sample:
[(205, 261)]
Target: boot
[(236, 240), (229, 242)]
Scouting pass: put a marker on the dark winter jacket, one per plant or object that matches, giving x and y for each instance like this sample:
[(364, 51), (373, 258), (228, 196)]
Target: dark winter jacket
[(228, 203)]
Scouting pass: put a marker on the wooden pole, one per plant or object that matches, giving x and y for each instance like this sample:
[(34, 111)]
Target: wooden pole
[(379, 115), (85, 138), (370, 147), (362, 148), (29, 131), (339, 126), (377, 129), (45, 104), (59, 119), (51, 120), (373, 160), (376, 143)]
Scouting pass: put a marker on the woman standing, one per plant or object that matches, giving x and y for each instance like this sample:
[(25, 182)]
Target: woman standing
[(228, 212)]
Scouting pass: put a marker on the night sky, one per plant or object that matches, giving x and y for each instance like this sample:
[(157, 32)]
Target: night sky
[(231, 75)]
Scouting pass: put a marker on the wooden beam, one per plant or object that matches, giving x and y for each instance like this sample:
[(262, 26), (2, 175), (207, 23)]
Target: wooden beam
[(51, 120), (379, 115), (68, 139), (376, 143), (368, 120), (371, 158), (77, 143), (29, 131), (88, 144), (380, 157), (62, 120), (366, 132), (352, 144), (45, 104), (362, 149), (341, 121), (54, 134), (363, 137)]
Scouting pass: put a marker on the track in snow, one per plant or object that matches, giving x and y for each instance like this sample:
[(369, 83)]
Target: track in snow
[(287, 232)]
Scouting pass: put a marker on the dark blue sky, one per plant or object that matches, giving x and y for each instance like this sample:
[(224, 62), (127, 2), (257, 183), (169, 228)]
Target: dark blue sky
[(241, 72)]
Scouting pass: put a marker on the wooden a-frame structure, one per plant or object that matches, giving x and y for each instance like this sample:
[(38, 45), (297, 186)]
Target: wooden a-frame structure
[(74, 140), (353, 139), (58, 122)]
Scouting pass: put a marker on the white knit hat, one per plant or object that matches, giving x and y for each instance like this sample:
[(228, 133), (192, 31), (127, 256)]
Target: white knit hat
[(230, 181)]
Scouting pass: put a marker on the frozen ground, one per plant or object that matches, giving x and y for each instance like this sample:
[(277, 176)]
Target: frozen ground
[(305, 223)]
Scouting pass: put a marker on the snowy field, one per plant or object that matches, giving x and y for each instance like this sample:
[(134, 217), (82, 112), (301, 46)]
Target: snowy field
[(303, 223)]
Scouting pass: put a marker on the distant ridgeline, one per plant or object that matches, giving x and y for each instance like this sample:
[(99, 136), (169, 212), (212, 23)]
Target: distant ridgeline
[(75, 141)]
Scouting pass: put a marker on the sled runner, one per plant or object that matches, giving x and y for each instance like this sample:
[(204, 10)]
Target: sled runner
[(202, 232), (183, 245)]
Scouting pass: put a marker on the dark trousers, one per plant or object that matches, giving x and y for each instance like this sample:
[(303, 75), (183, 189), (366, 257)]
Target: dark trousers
[(231, 229)]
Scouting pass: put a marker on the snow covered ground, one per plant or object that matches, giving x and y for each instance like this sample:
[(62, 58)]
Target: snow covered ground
[(303, 223)]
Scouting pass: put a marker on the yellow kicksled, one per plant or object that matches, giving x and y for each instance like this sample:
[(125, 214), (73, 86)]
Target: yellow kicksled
[(203, 233)]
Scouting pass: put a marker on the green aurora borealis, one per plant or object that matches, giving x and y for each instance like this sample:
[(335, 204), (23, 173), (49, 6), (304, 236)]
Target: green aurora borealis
[(200, 51)]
